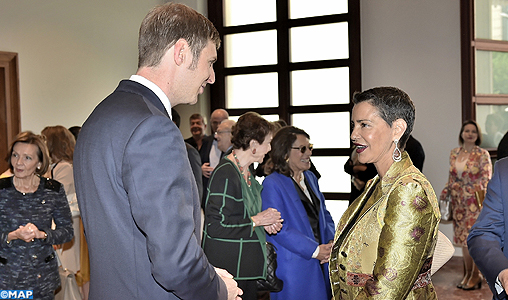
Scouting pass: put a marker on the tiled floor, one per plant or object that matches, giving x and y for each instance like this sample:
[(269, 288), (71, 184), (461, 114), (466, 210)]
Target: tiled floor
[(446, 279)]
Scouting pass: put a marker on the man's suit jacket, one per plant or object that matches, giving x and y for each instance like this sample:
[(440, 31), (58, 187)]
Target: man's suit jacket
[(195, 163), (204, 154), (139, 203), (488, 236)]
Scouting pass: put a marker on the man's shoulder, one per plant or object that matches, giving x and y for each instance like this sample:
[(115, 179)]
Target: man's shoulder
[(502, 164), (191, 142)]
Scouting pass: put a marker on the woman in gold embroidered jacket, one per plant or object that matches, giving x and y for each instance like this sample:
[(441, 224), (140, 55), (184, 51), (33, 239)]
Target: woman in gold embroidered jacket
[(385, 240)]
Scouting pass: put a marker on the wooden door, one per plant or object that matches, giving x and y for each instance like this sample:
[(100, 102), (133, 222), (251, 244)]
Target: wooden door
[(10, 115)]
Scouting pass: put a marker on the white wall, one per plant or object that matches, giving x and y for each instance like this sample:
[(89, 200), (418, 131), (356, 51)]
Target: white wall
[(415, 45), (71, 53)]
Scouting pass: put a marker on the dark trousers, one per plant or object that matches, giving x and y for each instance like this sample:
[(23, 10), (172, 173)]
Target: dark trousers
[(249, 289)]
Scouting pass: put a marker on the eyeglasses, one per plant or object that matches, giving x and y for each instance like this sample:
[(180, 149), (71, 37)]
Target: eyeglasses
[(303, 149), (223, 131)]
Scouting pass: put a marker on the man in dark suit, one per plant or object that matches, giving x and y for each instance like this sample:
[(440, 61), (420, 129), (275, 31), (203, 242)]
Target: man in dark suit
[(197, 128), (489, 235), (192, 154), (138, 200)]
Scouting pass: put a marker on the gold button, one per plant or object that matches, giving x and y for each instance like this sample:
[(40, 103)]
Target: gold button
[(34, 256)]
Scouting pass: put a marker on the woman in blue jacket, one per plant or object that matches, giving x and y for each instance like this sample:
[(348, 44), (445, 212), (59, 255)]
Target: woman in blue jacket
[(304, 242)]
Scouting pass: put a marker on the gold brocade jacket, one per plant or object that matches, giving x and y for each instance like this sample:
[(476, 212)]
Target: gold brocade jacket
[(386, 253)]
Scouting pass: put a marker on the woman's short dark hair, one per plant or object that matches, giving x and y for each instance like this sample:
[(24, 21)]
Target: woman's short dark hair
[(250, 126), (478, 130), (282, 143), (392, 104), (29, 137), (60, 142)]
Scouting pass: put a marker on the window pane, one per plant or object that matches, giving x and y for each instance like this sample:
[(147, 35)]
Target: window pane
[(333, 42), (303, 9), (326, 130), (271, 118), (242, 49), (237, 12), (333, 178), (336, 209), (491, 19), (493, 121), (323, 86), (241, 91), (491, 72)]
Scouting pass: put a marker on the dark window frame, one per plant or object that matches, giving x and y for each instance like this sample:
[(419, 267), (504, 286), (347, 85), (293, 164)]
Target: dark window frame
[(284, 66), (469, 45)]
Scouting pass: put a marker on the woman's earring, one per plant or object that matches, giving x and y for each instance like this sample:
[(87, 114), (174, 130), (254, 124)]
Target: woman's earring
[(254, 151), (397, 155)]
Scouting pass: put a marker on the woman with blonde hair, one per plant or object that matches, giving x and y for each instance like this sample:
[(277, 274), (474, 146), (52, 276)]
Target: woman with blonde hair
[(30, 204), (61, 142)]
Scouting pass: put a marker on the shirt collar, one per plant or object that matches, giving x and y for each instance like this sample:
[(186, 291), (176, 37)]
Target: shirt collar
[(154, 88)]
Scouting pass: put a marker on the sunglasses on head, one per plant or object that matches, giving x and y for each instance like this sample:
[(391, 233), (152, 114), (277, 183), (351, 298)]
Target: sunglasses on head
[(303, 149)]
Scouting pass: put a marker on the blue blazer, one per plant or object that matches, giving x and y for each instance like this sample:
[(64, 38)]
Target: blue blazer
[(304, 277), (487, 241), (139, 203)]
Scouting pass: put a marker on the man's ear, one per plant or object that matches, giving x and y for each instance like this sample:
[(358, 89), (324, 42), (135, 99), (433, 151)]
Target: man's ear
[(181, 49), (399, 127)]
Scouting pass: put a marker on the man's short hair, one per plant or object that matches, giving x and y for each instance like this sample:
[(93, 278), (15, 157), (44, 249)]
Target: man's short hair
[(165, 24), (197, 116)]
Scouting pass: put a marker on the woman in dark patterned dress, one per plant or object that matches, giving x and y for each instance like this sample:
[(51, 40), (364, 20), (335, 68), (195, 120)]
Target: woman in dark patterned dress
[(29, 203), (234, 234)]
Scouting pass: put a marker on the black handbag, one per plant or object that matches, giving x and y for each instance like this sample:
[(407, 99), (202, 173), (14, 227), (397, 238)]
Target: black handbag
[(272, 283)]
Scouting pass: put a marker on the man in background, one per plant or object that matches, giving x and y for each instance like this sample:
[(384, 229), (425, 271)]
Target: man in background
[(223, 136), (137, 196), (192, 154), (197, 128)]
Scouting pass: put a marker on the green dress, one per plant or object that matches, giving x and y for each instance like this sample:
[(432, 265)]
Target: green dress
[(229, 240)]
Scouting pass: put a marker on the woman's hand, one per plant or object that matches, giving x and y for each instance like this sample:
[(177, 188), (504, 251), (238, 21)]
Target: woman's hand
[(27, 233), (324, 253), (267, 217), (274, 228)]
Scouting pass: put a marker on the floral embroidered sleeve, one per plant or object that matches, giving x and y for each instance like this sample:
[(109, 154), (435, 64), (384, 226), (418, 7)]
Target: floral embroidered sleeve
[(406, 241), (485, 169)]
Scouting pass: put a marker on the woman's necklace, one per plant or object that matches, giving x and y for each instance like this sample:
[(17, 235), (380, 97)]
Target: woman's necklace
[(463, 154), (247, 175)]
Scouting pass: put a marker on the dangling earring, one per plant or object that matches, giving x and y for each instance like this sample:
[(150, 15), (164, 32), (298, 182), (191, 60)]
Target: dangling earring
[(397, 155)]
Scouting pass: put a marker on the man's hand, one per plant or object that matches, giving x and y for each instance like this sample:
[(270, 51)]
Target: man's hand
[(324, 253), (206, 170), (503, 278), (234, 292)]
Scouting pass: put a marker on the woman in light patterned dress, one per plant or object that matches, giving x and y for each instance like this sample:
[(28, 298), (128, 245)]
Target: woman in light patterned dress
[(470, 171)]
